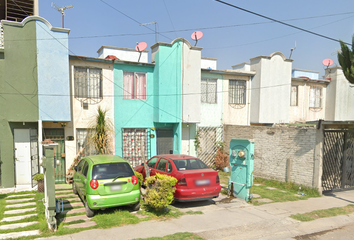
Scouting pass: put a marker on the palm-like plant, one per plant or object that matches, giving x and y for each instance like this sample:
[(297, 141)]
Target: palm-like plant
[(101, 133), (346, 60)]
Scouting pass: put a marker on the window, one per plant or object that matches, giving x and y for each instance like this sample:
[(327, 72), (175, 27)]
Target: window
[(237, 92), (134, 85), (293, 95), (161, 166), (209, 90), (88, 82), (85, 169), (80, 165), (315, 97), (135, 148), (152, 162), (112, 170), (82, 142)]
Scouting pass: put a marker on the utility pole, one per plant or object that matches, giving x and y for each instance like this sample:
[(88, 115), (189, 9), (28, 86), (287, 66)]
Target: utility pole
[(143, 24), (61, 10)]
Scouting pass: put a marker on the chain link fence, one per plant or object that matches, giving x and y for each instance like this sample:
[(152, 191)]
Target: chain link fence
[(208, 141)]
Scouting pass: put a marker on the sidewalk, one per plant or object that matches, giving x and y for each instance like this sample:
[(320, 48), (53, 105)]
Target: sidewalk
[(235, 220)]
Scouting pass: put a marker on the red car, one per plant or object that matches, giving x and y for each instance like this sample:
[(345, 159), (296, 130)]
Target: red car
[(196, 181)]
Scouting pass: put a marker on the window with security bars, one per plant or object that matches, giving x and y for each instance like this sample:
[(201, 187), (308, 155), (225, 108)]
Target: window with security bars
[(134, 85), (209, 90), (82, 135), (315, 97), (293, 95), (237, 92), (88, 82), (135, 145)]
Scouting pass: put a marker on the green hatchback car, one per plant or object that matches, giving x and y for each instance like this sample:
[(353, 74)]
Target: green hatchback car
[(104, 181)]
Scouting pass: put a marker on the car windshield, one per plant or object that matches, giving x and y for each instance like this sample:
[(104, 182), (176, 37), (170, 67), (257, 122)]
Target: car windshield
[(189, 164), (111, 170)]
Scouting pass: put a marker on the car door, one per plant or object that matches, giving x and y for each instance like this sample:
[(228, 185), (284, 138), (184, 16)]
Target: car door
[(151, 164), (78, 179), (161, 166), (84, 181)]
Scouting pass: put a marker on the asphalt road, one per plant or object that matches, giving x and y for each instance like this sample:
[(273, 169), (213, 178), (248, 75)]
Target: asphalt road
[(342, 233)]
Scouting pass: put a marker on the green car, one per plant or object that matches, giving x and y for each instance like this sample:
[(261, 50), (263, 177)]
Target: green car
[(104, 181)]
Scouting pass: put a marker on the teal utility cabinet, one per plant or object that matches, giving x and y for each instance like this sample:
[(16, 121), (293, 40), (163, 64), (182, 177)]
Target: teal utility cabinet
[(241, 161)]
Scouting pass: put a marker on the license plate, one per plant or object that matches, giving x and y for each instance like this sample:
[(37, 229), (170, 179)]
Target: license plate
[(202, 182), (116, 188)]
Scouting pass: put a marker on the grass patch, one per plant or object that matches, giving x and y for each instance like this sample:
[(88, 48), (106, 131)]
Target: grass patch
[(194, 212), (224, 177), (74, 222), (331, 212), (176, 236)]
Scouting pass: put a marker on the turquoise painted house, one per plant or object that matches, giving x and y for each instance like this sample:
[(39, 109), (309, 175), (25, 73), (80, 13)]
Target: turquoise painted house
[(149, 115)]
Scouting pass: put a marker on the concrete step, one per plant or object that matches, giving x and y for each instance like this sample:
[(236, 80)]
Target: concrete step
[(70, 205), (20, 205), (19, 234), (12, 219), (20, 211), (63, 186), (16, 225), (19, 200), (69, 200), (71, 211), (66, 195), (75, 218), (21, 195), (81, 225)]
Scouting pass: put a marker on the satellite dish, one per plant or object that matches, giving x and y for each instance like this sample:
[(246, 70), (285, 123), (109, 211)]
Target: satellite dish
[(327, 62), (140, 46), (196, 36)]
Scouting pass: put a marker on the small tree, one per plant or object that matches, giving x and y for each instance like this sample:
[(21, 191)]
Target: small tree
[(101, 132), (346, 60)]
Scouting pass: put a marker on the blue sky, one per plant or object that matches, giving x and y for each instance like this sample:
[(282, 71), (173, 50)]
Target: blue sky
[(230, 35)]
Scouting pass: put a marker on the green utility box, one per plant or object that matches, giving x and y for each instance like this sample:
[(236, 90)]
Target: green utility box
[(241, 160)]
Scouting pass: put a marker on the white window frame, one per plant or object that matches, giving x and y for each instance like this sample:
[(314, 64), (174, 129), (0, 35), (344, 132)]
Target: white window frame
[(208, 95), (87, 82), (237, 91), (294, 95), (316, 97), (130, 86)]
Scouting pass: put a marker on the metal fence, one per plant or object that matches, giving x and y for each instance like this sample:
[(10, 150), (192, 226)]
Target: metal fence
[(209, 139)]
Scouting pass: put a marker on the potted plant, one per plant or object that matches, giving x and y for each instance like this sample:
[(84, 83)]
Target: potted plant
[(40, 180)]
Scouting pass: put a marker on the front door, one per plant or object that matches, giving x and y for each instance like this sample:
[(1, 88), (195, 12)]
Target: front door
[(164, 141), (22, 146)]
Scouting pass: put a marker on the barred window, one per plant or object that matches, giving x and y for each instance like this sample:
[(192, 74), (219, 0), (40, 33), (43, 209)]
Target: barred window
[(209, 90), (134, 85), (294, 95), (88, 82), (237, 92), (315, 97), (82, 135), (135, 145)]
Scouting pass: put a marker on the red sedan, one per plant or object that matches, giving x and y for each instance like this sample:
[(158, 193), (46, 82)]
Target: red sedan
[(196, 181)]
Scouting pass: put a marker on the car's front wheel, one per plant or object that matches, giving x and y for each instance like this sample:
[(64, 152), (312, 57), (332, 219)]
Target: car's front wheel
[(89, 212)]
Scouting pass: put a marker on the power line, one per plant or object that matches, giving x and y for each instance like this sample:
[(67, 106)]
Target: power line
[(286, 24)]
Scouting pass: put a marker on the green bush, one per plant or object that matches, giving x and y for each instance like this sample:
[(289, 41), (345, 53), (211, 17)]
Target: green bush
[(38, 177), (140, 177), (159, 192)]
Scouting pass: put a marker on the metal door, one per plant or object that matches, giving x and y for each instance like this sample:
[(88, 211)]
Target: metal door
[(22, 149), (338, 160), (164, 141), (57, 136), (34, 155)]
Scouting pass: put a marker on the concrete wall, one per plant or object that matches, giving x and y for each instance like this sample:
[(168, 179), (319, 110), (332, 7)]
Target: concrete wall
[(271, 89), (209, 63), (305, 73), (302, 112), (340, 96), (124, 54), (53, 74), (236, 114), (283, 153)]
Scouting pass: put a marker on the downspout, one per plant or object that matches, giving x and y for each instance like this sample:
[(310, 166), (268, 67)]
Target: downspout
[(40, 139), (249, 102), (303, 101)]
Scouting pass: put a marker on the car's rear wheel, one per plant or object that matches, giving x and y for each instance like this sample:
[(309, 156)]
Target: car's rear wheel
[(136, 206), (89, 212), (74, 188)]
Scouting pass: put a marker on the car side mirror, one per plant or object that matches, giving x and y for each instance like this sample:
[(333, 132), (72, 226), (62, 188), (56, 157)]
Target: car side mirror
[(75, 168)]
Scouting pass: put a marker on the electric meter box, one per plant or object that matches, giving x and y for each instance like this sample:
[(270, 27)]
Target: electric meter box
[(241, 161)]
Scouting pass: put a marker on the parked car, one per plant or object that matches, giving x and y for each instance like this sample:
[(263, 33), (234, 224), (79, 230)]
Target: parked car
[(196, 181), (105, 181)]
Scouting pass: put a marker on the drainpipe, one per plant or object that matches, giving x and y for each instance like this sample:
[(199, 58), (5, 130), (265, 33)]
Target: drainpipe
[(248, 102), (303, 101), (40, 139)]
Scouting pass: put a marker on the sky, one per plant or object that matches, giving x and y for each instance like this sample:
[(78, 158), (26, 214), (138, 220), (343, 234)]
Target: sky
[(230, 35)]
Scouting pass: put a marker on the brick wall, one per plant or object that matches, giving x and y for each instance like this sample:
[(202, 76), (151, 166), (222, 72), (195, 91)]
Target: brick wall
[(281, 153)]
